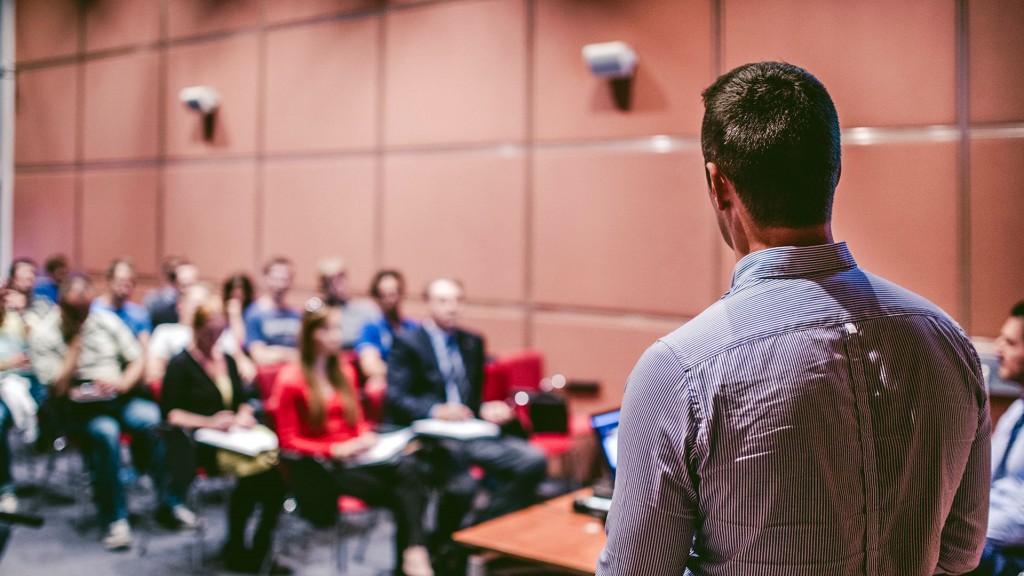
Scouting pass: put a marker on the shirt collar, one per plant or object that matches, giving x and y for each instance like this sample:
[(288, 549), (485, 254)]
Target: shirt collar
[(792, 261), (437, 334)]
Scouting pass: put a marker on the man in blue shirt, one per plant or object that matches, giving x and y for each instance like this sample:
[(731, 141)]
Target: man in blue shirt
[(271, 326), (816, 420), (117, 299), (374, 345)]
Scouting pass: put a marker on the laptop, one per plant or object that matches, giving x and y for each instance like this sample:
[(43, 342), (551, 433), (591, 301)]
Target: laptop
[(606, 430)]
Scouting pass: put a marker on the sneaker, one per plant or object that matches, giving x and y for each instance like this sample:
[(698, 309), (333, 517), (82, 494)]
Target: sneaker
[(8, 502), (118, 536), (177, 517)]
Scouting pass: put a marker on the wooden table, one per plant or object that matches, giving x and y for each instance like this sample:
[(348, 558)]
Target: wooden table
[(549, 533)]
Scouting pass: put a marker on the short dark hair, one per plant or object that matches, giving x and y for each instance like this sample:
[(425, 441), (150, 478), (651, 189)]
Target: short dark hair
[(381, 275), (55, 262), (772, 129), (1018, 309)]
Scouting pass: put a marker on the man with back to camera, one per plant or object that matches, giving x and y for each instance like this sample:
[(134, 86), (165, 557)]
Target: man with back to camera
[(817, 420), (1004, 546)]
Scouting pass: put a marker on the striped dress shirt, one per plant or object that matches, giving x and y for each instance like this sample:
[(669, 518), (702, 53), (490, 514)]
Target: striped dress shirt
[(817, 420)]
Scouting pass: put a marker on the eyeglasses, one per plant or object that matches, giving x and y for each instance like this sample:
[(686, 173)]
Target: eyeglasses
[(314, 304)]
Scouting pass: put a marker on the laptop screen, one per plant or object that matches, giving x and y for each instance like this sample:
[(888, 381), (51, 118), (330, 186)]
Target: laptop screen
[(606, 427)]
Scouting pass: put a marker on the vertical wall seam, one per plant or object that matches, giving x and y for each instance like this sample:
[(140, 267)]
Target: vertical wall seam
[(717, 49), (528, 171), (259, 168), (963, 120), (379, 200), (78, 232), (163, 70)]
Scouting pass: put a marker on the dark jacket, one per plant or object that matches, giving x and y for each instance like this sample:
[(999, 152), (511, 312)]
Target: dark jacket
[(415, 382)]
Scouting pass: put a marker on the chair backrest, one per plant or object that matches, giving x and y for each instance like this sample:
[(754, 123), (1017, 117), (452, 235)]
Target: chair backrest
[(313, 488)]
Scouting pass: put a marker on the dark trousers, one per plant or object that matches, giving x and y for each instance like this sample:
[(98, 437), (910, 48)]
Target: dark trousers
[(999, 561), (512, 469), (399, 488), (267, 489)]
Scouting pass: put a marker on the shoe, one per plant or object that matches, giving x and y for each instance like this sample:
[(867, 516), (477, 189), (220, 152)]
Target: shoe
[(118, 536), (177, 517), (8, 502), (416, 562)]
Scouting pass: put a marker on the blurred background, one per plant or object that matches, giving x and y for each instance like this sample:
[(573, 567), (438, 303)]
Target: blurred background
[(468, 138)]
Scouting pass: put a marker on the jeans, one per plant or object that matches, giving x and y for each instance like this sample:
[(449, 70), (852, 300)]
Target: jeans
[(6, 480), (99, 426)]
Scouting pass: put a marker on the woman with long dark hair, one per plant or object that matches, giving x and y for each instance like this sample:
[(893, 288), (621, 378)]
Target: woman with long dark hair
[(318, 414)]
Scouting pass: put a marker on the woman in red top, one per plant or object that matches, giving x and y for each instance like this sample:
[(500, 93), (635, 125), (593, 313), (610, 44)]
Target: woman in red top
[(318, 413)]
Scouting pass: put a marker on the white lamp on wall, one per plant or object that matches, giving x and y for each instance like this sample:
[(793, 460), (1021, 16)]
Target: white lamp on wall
[(616, 62), (205, 100)]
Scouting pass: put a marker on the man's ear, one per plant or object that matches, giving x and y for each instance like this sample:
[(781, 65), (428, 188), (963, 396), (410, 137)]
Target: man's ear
[(720, 189)]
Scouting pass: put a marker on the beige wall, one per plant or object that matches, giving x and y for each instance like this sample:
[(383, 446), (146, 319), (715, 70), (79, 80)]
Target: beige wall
[(467, 138)]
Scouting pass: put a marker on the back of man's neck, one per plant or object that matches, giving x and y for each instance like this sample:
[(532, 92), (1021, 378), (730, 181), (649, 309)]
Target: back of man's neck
[(774, 237)]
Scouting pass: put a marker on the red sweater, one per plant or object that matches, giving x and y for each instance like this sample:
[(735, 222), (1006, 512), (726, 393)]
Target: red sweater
[(291, 409)]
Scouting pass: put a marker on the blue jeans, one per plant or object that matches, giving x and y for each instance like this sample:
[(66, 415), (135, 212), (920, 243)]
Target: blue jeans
[(99, 426), (6, 480)]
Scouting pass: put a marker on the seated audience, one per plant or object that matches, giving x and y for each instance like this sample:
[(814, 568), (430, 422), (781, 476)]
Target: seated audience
[(318, 414), (89, 360), (117, 299), (203, 389), (46, 286), (238, 295), (16, 400), (271, 326), (1004, 546), (374, 345), (333, 281), (437, 371), (161, 302)]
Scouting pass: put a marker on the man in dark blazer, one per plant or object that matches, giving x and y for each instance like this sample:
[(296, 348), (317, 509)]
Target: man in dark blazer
[(437, 371)]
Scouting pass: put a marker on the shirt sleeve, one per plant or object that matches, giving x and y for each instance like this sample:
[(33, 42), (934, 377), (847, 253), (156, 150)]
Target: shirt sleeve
[(254, 327), (171, 396), (370, 338), (963, 535), (653, 515), (46, 353), (128, 347)]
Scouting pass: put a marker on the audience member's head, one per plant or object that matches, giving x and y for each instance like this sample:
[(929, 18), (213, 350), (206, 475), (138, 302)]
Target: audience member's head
[(332, 278), (120, 281), (239, 287), (57, 268), (1010, 346), (444, 301), (277, 277), (208, 320), (23, 275), (185, 274), (388, 288), (319, 345), (771, 130), (190, 299), (169, 269), (74, 303)]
